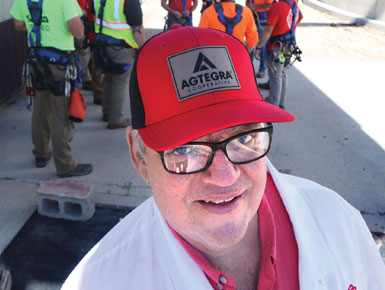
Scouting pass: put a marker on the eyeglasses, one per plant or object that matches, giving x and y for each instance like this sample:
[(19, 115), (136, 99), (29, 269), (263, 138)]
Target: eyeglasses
[(195, 157)]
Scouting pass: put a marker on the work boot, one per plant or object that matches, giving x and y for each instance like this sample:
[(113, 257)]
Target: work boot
[(124, 124), (261, 74), (42, 161), (81, 169), (105, 118), (264, 86)]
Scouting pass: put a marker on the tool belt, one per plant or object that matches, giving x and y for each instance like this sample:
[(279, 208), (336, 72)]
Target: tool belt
[(40, 58), (285, 53), (101, 55)]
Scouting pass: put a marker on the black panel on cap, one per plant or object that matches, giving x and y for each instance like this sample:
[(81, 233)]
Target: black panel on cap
[(137, 109)]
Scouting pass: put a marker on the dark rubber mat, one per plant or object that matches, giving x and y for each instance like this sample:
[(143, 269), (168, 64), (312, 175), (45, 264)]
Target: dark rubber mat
[(46, 250)]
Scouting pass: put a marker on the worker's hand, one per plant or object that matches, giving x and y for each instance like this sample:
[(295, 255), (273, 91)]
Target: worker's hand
[(177, 14), (186, 13), (257, 53)]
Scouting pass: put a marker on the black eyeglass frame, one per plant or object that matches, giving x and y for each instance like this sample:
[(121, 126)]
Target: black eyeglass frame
[(215, 146)]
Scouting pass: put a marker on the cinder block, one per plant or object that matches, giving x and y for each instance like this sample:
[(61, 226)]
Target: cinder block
[(66, 200)]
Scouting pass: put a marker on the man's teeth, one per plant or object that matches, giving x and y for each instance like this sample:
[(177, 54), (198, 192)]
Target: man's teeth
[(219, 201)]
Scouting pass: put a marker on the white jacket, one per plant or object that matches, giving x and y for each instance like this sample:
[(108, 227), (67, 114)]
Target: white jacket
[(336, 249)]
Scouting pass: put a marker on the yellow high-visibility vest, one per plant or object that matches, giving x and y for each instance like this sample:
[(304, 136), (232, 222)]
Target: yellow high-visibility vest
[(114, 21)]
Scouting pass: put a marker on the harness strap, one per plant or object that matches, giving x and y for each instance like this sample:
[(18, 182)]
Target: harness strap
[(294, 10), (101, 14), (35, 9), (109, 40), (228, 22), (290, 35), (53, 57)]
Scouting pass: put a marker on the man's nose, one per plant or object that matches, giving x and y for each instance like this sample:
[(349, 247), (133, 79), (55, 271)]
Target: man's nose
[(221, 171)]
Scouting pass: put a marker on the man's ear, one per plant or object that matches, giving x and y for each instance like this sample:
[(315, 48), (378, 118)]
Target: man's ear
[(137, 159)]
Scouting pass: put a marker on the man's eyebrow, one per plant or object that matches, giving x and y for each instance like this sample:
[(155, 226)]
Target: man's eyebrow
[(242, 127), (246, 126)]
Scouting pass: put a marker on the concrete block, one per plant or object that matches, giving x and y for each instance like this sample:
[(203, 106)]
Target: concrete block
[(66, 200)]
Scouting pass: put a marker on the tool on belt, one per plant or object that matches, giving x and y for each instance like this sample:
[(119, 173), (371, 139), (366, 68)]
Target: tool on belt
[(28, 85)]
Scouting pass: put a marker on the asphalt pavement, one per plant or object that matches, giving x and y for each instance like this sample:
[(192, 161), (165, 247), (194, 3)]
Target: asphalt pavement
[(337, 139)]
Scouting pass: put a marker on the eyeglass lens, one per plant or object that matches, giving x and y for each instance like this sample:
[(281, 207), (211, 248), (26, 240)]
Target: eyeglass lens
[(242, 148)]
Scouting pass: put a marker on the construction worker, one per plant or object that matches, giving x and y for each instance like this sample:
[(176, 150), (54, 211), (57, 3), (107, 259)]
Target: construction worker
[(260, 9), (83, 51), (233, 19), (179, 12), (120, 32), (50, 73), (97, 74), (279, 34)]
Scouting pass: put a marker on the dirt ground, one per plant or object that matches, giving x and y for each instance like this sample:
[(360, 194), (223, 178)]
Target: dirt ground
[(320, 35)]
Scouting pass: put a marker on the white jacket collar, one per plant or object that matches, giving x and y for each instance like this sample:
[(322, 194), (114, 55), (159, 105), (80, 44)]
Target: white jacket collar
[(315, 259)]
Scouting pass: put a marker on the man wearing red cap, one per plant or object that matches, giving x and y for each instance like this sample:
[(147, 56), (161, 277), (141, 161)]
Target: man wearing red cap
[(221, 216)]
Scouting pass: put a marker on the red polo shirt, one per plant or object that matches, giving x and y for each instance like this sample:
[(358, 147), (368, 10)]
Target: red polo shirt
[(279, 259)]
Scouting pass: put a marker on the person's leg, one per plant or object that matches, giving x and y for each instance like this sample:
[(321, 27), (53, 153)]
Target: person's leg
[(275, 79), (61, 129), (41, 124), (61, 136), (84, 57), (263, 54), (97, 77), (119, 87), (106, 92), (285, 83)]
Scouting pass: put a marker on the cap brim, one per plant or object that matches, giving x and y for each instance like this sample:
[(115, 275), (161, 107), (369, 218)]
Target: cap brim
[(189, 126)]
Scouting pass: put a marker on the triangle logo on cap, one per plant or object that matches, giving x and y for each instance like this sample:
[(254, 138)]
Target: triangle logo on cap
[(203, 63), (201, 70)]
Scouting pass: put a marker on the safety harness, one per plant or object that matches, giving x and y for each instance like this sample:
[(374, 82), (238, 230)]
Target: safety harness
[(228, 22), (284, 45), (171, 19), (102, 41), (290, 35), (43, 56)]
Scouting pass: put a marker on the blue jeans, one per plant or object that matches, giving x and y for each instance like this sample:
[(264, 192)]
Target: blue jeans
[(260, 26)]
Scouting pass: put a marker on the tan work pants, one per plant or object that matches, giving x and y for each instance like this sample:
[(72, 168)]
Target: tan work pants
[(50, 121), (116, 86)]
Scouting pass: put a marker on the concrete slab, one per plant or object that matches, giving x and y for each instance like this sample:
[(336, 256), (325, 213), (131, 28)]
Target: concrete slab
[(18, 202)]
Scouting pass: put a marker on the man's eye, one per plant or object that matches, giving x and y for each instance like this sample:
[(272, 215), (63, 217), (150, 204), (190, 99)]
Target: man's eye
[(183, 150), (245, 139)]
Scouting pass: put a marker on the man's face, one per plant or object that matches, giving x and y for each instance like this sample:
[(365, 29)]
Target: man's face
[(197, 206)]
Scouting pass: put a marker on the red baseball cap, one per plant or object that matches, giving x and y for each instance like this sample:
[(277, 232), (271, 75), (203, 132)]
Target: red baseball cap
[(189, 82)]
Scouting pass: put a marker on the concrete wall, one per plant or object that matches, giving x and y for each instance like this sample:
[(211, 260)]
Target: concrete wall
[(5, 6), (13, 45), (374, 9)]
